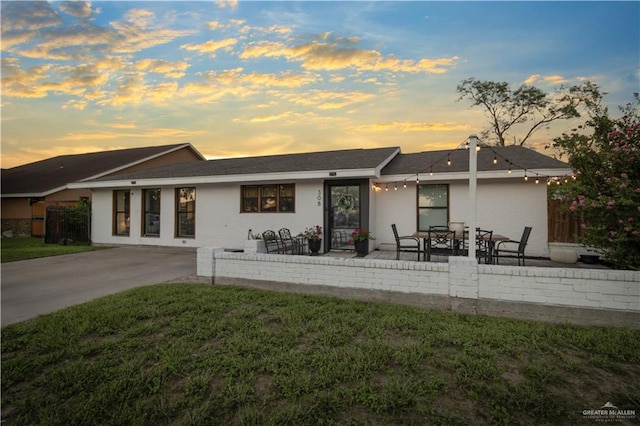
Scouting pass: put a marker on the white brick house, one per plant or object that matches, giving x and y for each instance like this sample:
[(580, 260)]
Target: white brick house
[(217, 202)]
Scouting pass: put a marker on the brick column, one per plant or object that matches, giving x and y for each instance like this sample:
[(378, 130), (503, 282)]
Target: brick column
[(206, 263)]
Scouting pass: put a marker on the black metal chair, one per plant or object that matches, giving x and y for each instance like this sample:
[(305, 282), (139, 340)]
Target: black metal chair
[(288, 243), (405, 243), (440, 242), (519, 251), (271, 241), (484, 245)]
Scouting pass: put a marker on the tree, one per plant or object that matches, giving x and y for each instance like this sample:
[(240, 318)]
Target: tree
[(606, 193), (527, 104)]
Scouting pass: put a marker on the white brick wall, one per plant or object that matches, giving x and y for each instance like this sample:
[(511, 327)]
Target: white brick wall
[(461, 278)]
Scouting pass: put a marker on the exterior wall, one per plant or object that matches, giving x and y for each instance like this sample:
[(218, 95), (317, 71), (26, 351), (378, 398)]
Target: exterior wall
[(180, 156), (218, 218), (16, 216), (16, 208), (67, 196), (592, 297), (504, 206)]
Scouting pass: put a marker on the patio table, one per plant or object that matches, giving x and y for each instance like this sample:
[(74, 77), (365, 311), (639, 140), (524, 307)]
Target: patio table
[(426, 235)]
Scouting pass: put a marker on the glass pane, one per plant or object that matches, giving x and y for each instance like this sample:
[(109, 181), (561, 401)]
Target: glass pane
[(250, 205), (152, 200), (187, 196), (432, 196), (186, 225), (345, 201), (286, 190), (269, 191), (287, 204), (251, 191), (152, 224), (122, 223), (431, 217)]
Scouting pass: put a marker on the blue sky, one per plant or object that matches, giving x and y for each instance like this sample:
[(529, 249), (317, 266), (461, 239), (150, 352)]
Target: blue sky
[(254, 78)]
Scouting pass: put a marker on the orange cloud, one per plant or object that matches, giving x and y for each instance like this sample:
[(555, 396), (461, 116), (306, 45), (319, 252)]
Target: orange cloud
[(210, 46), (160, 66), (406, 126), (332, 56)]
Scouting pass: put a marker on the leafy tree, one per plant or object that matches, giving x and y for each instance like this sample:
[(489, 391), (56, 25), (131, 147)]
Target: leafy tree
[(606, 193), (527, 104)]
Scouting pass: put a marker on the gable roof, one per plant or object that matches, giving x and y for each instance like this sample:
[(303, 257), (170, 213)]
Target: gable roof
[(53, 174), (326, 161), (516, 157)]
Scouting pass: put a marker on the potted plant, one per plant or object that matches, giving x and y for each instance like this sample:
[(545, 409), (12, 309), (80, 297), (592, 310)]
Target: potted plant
[(314, 238), (360, 238)]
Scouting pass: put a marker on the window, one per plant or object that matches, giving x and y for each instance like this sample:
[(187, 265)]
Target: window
[(151, 209), (121, 212), (186, 212), (433, 206), (268, 198)]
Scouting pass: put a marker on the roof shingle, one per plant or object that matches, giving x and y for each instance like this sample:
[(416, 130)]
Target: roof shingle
[(46, 175)]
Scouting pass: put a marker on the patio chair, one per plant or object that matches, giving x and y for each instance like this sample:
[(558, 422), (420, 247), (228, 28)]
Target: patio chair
[(288, 243), (440, 242), (484, 245), (271, 241), (405, 243), (519, 251), (339, 239)]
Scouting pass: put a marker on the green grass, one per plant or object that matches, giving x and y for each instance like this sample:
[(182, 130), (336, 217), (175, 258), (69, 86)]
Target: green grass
[(195, 354), (22, 248)]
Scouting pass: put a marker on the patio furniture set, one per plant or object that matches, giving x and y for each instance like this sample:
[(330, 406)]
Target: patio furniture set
[(446, 241)]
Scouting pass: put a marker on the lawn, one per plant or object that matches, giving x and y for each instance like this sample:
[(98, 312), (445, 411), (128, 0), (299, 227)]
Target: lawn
[(196, 354), (22, 248)]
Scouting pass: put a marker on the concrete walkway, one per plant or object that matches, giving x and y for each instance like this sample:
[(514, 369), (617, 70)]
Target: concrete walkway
[(40, 286)]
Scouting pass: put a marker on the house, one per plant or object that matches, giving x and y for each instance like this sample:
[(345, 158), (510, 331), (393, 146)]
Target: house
[(222, 202), (28, 189)]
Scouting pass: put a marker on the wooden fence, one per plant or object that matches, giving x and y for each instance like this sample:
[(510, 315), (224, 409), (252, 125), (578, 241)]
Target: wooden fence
[(564, 226)]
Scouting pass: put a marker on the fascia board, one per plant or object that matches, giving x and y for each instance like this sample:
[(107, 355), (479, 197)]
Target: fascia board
[(36, 194), (198, 180)]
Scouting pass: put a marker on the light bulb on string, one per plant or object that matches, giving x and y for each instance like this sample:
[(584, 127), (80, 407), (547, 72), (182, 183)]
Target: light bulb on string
[(448, 160), (395, 186), (405, 183), (495, 160), (526, 178), (386, 187), (431, 171)]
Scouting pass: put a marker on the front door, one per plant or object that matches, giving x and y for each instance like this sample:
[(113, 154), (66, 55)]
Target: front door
[(347, 208)]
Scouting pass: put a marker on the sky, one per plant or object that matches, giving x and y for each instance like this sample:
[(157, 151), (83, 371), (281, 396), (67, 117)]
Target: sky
[(238, 78)]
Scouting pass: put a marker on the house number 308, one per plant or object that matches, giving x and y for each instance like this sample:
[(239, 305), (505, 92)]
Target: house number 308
[(319, 198)]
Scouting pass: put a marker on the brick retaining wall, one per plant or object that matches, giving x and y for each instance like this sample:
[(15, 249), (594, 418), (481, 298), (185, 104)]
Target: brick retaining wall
[(583, 296)]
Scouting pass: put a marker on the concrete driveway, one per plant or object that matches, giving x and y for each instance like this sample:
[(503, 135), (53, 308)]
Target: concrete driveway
[(40, 286)]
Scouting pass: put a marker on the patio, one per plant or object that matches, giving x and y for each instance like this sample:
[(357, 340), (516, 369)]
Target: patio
[(508, 261)]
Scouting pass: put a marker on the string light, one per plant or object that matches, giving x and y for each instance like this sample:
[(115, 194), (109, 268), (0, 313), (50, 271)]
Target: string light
[(466, 145)]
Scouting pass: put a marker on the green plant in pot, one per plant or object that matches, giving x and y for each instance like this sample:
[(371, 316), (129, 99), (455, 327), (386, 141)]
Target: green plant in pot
[(360, 238), (313, 236)]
